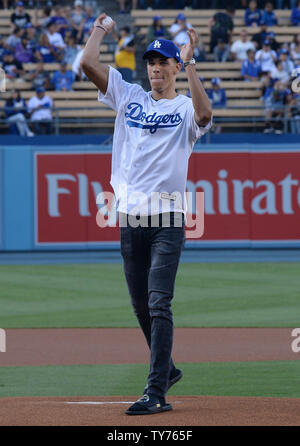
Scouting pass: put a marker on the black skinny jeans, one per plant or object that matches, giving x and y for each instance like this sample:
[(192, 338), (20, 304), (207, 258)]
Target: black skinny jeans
[(150, 257)]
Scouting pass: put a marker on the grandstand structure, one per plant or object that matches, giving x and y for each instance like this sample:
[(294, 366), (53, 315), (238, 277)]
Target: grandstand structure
[(80, 109)]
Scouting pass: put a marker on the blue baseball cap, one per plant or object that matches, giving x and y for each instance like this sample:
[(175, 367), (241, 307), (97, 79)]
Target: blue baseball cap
[(284, 51), (216, 81), (181, 16), (19, 4), (164, 47), (267, 42), (40, 90), (156, 18), (271, 34)]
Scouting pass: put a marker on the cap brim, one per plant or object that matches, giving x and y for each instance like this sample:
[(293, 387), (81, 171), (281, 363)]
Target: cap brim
[(150, 53)]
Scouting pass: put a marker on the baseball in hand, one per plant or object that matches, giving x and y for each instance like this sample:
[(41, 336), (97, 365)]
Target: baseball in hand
[(107, 21)]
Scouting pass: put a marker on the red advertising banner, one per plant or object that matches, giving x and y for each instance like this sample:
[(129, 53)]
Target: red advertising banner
[(248, 195)]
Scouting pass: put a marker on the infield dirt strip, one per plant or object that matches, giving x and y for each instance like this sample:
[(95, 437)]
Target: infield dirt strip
[(35, 347)]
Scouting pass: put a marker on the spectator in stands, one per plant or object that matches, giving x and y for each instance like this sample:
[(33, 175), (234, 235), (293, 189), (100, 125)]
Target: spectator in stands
[(14, 38), (221, 51), (39, 77), (221, 27), (45, 52), (13, 68), (71, 50), (62, 24), (54, 37), (251, 68), (295, 113), (279, 73), (20, 17), (287, 63), (276, 98), (32, 36), (46, 17), (216, 94), (125, 53), (179, 30), (295, 16), (15, 111), (266, 57), (252, 14), (77, 19), (2, 48), (268, 15), (261, 36), (271, 37), (157, 30), (240, 47), (295, 49), (40, 109), (63, 79), (23, 52), (87, 24)]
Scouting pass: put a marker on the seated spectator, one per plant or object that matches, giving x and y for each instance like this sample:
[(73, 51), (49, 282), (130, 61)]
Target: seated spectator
[(13, 68), (221, 51), (240, 47), (252, 14), (125, 53), (251, 68), (15, 111), (260, 37), (179, 30), (287, 64), (63, 79), (54, 37), (216, 94), (23, 52), (45, 52), (62, 24), (271, 37), (295, 113), (77, 19), (295, 49), (71, 50), (268, 15), (266, 57), (39, 77), (15, 38), (221, 27), (40, 109), (279, 73), (87, 23), (157, 30), (2, 48), (276, 98), (32, 36), (46, 17), (295, 16), (20, 17)]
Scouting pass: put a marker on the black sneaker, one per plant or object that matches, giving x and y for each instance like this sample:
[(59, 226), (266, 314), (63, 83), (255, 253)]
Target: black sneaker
[(173, 379), (148, 405)]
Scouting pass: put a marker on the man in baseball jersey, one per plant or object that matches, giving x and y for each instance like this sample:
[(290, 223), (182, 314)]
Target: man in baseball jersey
[(154, 136)]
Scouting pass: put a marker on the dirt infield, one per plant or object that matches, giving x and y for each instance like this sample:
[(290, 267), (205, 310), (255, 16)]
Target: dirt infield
[(117, 346), (188, 411), (67, 346)]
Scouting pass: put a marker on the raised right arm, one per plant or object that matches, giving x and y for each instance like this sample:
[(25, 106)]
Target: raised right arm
[(96, 71)]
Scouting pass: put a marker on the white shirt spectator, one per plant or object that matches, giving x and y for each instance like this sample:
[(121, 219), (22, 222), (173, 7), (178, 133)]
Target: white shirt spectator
[(266, 60), (279, 74), (56, 40), (41, 113), (182, 38), (240, 49)]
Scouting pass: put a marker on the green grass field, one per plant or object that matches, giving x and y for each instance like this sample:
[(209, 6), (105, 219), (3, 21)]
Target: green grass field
[(268, 379), (95, 295)]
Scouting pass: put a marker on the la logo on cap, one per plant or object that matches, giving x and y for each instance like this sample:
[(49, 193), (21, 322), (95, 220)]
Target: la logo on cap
[(157, 44)]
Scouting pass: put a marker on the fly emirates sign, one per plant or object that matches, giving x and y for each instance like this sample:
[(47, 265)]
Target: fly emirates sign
[(248, 195)]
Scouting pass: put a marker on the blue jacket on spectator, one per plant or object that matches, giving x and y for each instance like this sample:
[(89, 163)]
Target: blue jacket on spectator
[(249, 68), (269, 18), (63, 80), (12, 107), (217, 97), (252, 17), (295, 16)]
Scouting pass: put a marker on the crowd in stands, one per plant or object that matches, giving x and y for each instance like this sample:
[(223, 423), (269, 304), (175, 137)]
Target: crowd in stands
[(57, 35)]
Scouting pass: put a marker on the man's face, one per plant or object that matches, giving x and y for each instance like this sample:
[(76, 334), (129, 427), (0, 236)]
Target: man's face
[(252, 5), (162, 72), (269, 7), (244, 36), (40, 94), (251, 54)]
